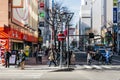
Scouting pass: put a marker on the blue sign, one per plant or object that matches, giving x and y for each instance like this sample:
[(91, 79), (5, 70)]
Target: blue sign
[(114, 15), (118, 0)]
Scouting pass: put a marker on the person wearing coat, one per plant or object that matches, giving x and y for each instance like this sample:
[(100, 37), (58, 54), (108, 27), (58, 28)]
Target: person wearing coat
[(7, 55), (52, 58)]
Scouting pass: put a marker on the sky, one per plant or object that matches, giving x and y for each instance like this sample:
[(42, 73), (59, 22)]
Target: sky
[(73, 6)]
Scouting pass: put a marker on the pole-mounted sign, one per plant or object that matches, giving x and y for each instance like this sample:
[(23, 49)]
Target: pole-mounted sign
[(61, 37)]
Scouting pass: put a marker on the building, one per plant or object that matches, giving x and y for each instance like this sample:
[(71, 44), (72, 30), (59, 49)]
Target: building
[(107, 21), (85, 16), (44, 27), (18, 24)]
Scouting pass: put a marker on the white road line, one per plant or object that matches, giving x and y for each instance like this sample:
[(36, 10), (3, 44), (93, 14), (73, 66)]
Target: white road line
[(106, 67), (21, 75), (115, 60), (87, 66), (96, 66)]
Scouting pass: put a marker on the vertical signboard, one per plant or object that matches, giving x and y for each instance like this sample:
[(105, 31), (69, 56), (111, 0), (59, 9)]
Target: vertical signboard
[(114, 15), (115, 11)]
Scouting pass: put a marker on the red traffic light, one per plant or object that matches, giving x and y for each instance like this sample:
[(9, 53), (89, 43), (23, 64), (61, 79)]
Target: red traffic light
[(41, 5)]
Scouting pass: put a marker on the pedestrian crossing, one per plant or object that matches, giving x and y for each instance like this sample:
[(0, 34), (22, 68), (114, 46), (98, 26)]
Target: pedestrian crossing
[(21, 74), (99, 67), (76, 67)]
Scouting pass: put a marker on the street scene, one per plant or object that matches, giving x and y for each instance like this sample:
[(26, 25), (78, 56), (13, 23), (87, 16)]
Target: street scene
[(59, 40)]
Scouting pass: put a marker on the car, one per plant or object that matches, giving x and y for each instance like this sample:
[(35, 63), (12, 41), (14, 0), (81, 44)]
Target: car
[(102, 51), (97, 47)]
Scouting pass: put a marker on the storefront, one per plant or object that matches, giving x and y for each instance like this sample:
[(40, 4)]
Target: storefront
[(14, 39)]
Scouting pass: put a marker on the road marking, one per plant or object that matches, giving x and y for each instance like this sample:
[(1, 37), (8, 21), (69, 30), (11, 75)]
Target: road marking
[(23, 75), (87, 66), (116, 60), (96, 67), (106, 67)]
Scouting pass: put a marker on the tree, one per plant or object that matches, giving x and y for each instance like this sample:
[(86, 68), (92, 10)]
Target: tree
[(56, 17)]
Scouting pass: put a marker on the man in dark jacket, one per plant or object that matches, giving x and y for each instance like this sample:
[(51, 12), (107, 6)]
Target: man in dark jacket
[(7, 57)]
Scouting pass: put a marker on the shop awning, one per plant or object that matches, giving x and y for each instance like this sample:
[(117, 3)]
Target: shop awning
[(17, 41), (3, 34)]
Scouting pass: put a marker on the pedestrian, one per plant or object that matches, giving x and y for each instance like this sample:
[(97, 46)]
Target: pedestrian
[(107, 56), (7, 55), (52, 58), (89, 57), (18, 58), (22, 59), (40, 54)]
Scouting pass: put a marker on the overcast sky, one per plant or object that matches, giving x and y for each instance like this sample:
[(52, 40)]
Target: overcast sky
[(74, 6)]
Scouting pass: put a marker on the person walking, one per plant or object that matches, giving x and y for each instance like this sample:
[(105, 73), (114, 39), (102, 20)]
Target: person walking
[(52, 58), (7, 55), (40, 54), (22, 59), (107, 56), (18, 58)]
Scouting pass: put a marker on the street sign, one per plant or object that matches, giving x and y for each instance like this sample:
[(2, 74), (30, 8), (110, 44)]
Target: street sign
[(61, 37)]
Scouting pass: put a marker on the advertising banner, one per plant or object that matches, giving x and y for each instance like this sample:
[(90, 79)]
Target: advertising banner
[(114, 15), (13, 57)]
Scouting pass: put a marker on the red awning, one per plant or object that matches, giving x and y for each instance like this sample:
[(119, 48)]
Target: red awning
[(3, 34)]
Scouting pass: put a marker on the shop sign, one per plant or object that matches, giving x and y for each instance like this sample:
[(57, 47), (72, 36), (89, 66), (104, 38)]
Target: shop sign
[(3, 44), (40, 39), (114, 15), (25, 37)]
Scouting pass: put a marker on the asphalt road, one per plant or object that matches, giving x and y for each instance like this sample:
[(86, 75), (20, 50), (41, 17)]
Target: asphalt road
[(48, 75)]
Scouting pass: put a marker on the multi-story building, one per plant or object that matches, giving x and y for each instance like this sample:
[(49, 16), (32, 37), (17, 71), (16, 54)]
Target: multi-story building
[(85, 16), (18, 24), (107, 20), (44, 26)]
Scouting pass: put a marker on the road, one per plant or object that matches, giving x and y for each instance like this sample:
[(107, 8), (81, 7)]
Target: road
[(49, 75), (81, 72)]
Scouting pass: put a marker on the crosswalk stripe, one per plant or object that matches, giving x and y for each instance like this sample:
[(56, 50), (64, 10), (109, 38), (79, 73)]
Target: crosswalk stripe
[(106, 67), (87, 66), (96, 67)]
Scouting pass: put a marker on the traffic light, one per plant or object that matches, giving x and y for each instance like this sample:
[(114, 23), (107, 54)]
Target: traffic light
[(91, 35), (42, 14), (39, 32)]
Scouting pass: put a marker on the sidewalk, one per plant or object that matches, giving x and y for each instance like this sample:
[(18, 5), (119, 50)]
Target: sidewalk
[(35, 67)]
